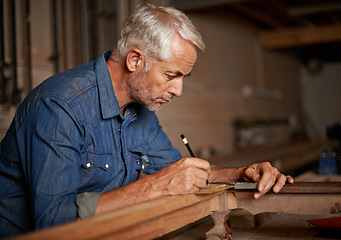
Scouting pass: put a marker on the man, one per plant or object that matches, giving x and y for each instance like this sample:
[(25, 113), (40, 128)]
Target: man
[(79, 140)]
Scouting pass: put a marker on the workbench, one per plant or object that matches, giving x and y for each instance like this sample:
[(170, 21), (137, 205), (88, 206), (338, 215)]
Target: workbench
[(291, 158), (155, 218), (280, 227)]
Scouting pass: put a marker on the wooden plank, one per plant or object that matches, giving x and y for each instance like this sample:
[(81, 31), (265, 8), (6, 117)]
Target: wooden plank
[(163, 223), (302, 204), (305, 198), (142, 221), (290, 163), (300, 201), (201, 4), (158, 217), (258, 15), (269, 153), (302, 36), (312, 187), (313, 176), (286, 157)]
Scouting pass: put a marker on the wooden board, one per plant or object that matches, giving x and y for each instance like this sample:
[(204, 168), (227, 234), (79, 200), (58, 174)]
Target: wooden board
[(143, 221), (158, 217), (303, 36)]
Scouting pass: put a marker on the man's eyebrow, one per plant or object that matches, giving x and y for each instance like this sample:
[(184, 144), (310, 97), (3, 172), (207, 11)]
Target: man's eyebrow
[(179, 74)]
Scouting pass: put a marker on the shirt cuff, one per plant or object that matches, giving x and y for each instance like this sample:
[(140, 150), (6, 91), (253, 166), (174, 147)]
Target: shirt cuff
[(87, 203)]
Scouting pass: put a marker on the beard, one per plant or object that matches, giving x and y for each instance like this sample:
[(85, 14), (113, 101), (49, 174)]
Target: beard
[(140, 91)]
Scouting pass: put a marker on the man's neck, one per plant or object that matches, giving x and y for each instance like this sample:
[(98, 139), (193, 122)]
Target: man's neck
[(118, 77)]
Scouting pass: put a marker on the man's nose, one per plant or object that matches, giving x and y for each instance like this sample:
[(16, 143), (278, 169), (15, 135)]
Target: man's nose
[(176, 87)]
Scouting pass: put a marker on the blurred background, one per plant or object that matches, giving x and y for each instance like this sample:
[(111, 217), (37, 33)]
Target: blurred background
[(267, 86)]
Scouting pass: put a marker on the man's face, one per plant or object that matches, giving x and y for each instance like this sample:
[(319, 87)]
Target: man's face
[(165, 78)]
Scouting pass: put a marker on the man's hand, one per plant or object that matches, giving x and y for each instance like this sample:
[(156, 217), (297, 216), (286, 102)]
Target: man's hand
[(267, 177), (185, 176)]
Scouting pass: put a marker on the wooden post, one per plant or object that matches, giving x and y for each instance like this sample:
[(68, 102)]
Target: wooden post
[(221, 229)]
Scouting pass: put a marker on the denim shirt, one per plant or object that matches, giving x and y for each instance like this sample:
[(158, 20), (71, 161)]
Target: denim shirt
[(69, 137)]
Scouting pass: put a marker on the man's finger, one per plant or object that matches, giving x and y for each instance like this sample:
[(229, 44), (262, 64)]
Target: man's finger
[(268, 177), (281, 180), (252, 173), (197, 162), (290, 179), (198, 176)]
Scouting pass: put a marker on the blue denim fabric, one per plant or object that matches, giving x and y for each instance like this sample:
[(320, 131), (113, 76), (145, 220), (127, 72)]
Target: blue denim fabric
[(69, 137)]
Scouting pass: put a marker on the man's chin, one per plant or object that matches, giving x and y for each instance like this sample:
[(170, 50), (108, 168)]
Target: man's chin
[(154, 107)]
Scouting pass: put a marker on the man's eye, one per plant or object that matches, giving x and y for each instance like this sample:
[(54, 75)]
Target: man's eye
[(170, 77)]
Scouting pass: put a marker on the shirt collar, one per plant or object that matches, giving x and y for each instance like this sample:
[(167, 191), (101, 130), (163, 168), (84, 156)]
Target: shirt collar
[(107, 98)]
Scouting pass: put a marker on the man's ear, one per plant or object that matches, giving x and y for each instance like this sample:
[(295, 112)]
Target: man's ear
[(134, 59)]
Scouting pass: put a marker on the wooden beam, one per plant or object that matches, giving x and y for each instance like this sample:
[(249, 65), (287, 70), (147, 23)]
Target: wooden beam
[(302, 36), (286, 156), (312, 188), (249, 11), (143, 221), (297, 203), (158, 217), (300, 203), (314, 9), (202, 4)]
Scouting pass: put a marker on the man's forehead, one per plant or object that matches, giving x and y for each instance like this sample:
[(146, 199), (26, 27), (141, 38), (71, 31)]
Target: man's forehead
[(182, 48)]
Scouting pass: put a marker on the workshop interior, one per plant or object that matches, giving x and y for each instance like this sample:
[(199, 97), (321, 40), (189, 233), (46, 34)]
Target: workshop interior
[(266, 88)]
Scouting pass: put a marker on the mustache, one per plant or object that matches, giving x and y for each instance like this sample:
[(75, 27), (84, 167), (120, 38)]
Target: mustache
[(166, 98)]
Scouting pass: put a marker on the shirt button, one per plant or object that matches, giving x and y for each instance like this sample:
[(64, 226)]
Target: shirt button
[(106, 165), (88, 165), (134, 114)]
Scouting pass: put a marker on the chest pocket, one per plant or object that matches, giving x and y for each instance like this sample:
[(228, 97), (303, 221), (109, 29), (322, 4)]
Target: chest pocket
[(94, 161), (99, 171), (141, 160)]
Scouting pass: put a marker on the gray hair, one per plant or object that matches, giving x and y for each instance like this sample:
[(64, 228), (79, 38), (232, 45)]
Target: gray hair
[(151, 29)]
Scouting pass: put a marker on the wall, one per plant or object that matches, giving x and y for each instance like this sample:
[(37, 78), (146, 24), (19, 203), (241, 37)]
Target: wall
[(73, 42), (212, 97), (41, 52), (322, 98)]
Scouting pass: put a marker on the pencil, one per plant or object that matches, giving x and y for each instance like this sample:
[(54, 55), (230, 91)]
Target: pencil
[(184, 139)]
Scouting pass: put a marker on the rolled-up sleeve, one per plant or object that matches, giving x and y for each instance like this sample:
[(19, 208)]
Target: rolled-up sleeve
[(87, 203)]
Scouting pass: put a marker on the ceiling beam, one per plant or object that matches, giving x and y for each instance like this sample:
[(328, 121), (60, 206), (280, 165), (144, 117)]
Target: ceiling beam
[(314, 9), (258, 15), (302, 36), (198, 4)]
